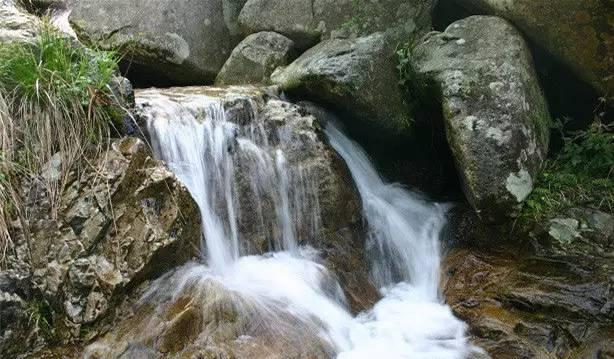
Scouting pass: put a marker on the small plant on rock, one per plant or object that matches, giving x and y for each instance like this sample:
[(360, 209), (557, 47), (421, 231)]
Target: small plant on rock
[(581, 175), (55, 105)]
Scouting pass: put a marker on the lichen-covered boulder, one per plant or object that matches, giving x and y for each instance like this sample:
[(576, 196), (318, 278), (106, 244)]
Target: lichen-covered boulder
[(255, 58), (124, 220), (308, 21), (357, 77), (184, 41), (496, 117), (577, 32)]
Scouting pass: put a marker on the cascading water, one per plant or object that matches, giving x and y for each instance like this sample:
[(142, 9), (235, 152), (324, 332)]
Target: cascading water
[(287, 293), (403, 247)]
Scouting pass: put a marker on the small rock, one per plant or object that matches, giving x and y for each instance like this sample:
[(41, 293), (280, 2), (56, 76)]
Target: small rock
[(255, 58), (564, 230)]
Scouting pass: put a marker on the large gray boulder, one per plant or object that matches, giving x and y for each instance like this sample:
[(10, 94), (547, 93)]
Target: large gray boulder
[(307, 21), (577, 32), (255, 58), (185, 41), (358, 77), (496, 117)]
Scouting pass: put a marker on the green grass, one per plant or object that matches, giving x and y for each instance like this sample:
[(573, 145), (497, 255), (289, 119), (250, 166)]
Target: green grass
[(54, 99), (581, 175), (40, 316)]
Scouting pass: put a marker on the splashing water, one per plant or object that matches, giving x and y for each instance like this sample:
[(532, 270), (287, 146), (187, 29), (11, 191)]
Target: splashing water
[(403, 247), (288, 291)]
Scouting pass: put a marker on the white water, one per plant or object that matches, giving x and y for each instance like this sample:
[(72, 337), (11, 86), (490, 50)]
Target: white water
[(206, 150), (403, 247)]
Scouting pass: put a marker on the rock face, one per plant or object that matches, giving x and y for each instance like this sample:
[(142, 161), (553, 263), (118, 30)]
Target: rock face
[(16, 25), (531, 294), (124, 221), (255, 58), (527, 304), (307, 21), (356, 76), (577, 32), (496, 117), (186, 41)]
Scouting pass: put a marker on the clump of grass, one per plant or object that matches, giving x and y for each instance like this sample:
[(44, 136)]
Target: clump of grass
[(55, 102), (419, 89), (581, 175), (40, 317)]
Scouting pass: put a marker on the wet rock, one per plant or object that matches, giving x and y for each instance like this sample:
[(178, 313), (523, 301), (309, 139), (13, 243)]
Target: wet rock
[(522, 303), (255, 58), (186, 41), (577, 32), (321, 193), (496, 117), (358, 77), (205, 319)]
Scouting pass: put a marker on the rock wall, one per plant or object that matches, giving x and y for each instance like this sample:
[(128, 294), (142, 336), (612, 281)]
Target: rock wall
[(125, 219)]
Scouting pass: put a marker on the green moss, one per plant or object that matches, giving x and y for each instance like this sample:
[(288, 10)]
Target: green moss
[(581, 175), (360, 17)]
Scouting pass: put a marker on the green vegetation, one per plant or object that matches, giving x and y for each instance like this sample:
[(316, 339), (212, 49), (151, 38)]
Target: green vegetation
[(40, 316), (419, 90), (581, 175), (360, 19), (55, 102)]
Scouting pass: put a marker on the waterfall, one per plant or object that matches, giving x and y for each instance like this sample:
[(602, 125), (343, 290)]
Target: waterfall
[(288, 292), (403, 238), (403, 248)]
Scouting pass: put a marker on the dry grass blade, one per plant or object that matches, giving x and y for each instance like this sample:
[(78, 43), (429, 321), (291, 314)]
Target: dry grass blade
[(55, 106)]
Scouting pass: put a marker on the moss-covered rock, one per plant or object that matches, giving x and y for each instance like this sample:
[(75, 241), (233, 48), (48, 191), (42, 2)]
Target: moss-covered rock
[(496, 117), (577, 32)]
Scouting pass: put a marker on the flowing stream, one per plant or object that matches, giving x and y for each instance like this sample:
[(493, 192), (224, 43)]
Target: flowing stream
[(219, 158)]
